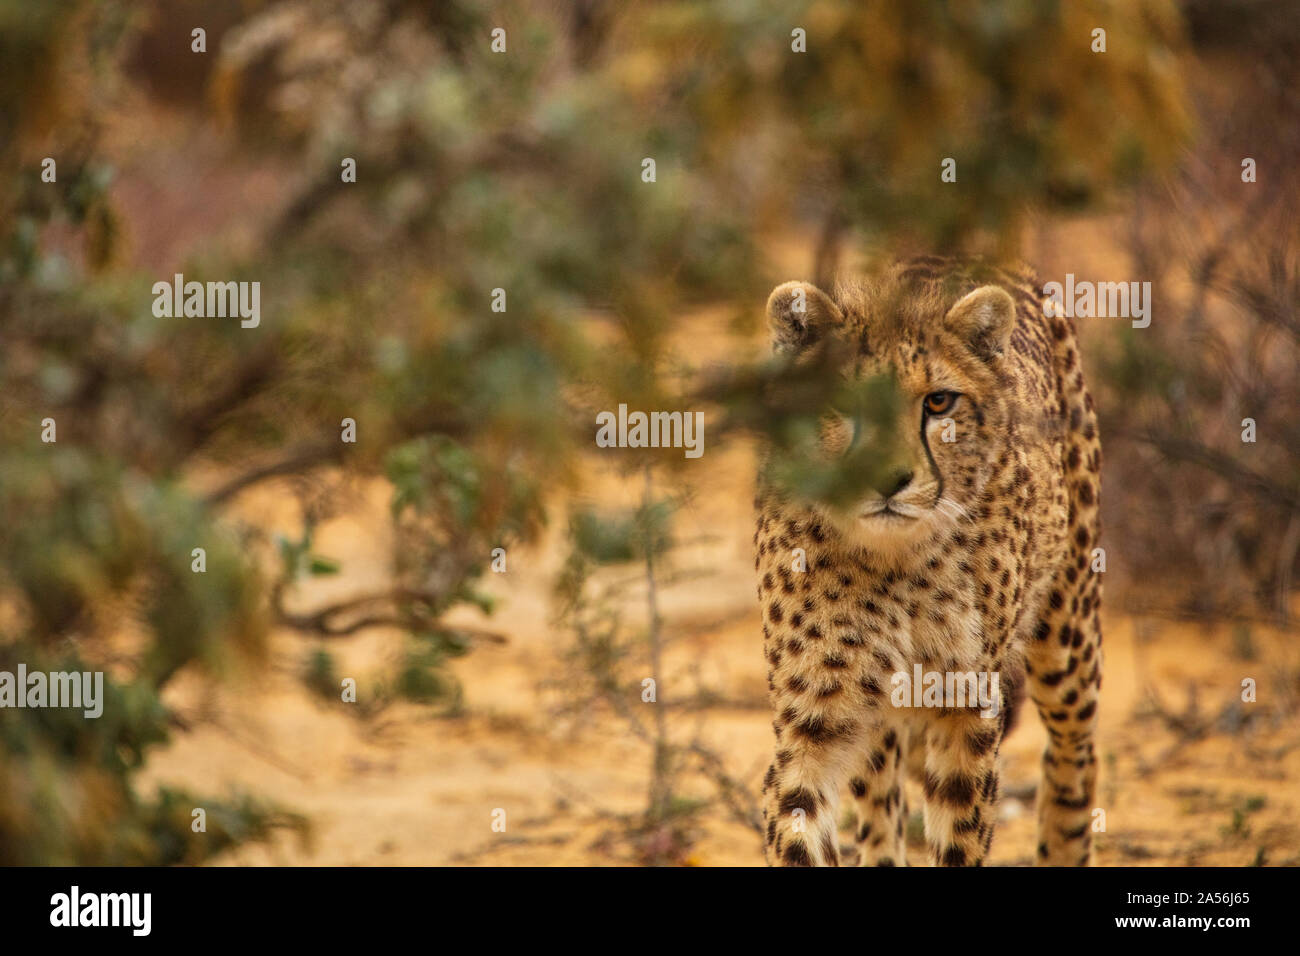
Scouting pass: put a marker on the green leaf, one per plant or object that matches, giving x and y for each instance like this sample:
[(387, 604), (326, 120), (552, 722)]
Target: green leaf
[(320, 565)]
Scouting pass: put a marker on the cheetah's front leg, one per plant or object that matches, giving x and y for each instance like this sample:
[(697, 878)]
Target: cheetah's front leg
[(881, 801), (961, 787), (1064, 682), (800, 794)]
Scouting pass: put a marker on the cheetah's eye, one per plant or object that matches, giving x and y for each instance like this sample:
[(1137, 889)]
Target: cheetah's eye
[(936, 403)]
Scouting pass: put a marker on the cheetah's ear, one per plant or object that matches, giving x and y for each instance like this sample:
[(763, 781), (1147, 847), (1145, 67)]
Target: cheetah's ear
[(798, 314), (984, 320)]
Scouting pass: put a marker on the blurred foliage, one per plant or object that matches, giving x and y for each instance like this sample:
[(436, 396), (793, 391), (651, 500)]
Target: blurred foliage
[(584, 603), (1012, 91), (603, 661), (797, 465), (1208, 522), (476, 171), (65, 797)]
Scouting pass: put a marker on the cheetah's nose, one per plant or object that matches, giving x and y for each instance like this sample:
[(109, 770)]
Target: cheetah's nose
[(897, 483)]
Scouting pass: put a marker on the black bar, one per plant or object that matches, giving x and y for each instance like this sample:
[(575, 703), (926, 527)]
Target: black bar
[(600, 907)]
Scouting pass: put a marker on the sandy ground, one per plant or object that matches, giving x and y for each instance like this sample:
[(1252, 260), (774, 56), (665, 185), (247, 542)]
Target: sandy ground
[(1191, 777)]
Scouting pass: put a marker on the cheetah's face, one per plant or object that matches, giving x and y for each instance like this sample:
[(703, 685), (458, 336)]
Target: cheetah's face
[(933, 422)]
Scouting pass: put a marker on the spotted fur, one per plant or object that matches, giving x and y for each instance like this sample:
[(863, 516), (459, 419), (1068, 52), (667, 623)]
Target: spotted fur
[(987, 567)]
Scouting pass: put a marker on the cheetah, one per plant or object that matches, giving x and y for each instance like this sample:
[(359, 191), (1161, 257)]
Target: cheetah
[(972, 554)]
